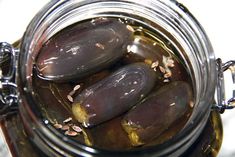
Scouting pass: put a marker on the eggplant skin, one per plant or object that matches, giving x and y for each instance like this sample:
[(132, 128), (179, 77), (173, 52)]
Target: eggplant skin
[(83, 49), (157, 112), (114, 95)]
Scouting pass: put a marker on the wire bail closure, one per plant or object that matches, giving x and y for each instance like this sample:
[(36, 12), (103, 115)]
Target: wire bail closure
[(222, 105), (8, 88)]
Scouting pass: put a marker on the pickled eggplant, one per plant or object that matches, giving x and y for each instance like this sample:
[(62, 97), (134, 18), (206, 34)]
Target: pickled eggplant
[(113, 95), (83, 49), (156, 113), (100, 70)]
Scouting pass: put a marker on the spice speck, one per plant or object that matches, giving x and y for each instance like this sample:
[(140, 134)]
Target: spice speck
[(99, 45), (155, 64), (77, 87), (71, 133), (67, 120), (58, 126), (130, 28), (70, 98), (162, 69), (76, 128)]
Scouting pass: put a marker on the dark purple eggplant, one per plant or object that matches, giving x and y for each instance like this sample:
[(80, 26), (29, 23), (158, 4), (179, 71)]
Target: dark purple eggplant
[(83, 49), (157, 112), (114, 95)]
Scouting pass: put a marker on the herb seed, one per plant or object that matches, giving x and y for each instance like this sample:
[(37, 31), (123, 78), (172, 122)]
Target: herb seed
[(71, 133), (155, 64), (67, 120), (76, 128), (162, 69), (58, 126), (76, 87), (99, 45), (70, 98), (167, 75), (130, 28), (191, 104), (166, 80)]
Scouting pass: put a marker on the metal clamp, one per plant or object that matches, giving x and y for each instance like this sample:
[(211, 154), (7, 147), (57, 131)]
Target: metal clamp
[(222, 105), (8, 88)]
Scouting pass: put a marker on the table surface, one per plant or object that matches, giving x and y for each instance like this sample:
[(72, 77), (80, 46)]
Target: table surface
[(217, 18)]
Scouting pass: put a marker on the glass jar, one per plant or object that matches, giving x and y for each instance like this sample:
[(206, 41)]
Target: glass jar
[(168, 18)]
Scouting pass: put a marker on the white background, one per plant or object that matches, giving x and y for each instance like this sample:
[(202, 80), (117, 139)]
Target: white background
[(217, 18)]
